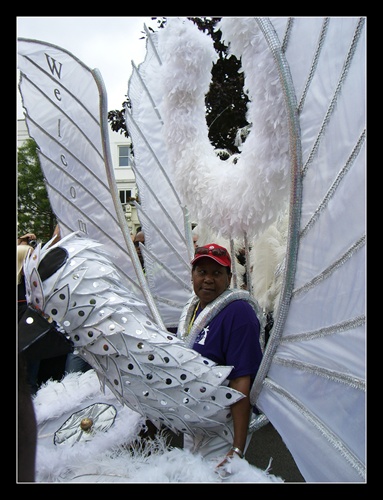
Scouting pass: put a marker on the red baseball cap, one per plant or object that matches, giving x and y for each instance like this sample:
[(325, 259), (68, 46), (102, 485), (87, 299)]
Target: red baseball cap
[(213, 251)]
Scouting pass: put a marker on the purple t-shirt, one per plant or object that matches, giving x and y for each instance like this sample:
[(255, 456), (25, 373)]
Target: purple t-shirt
[(232, 339)]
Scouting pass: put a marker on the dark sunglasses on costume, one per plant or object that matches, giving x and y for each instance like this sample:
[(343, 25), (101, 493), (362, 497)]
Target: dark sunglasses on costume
[(218, 252)]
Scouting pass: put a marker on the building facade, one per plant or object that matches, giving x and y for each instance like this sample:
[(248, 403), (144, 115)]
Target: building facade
[(121, 153)]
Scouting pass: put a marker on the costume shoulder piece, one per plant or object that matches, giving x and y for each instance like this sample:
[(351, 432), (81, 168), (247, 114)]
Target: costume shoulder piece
[(211, 310)]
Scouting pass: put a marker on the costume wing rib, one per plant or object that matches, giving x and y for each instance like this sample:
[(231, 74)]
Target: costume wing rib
[(65, 107), (311, 384)]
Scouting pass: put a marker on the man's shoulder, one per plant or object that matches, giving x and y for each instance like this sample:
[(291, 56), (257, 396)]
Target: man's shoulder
[(240, 305), (240, 308)]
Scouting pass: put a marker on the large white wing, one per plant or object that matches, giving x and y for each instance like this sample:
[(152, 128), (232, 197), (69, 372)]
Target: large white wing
[(312, 383), (168, 246), (66, 109)]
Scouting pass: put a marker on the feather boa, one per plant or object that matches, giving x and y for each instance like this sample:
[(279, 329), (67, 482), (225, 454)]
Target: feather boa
[(232, 199)]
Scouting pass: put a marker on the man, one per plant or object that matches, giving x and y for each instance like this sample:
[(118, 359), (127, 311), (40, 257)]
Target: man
[(230, 337)]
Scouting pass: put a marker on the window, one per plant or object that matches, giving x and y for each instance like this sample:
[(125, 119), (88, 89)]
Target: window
[(123, 156), (125, 194)]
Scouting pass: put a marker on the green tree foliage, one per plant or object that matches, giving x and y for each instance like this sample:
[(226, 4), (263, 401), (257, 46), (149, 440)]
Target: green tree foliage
[(35, 214), (226, 101)]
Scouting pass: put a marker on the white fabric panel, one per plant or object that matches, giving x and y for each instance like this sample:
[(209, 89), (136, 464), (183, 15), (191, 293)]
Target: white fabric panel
[(313, 452), (322, 309), (346, 357)]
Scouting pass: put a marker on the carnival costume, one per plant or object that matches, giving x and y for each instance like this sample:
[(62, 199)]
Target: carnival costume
[(301, 168)]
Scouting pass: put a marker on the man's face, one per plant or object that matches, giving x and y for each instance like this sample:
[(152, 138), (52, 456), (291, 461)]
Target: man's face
[(210, 279)]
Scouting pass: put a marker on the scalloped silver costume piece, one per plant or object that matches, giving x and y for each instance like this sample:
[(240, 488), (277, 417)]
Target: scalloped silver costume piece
[(147, 368)]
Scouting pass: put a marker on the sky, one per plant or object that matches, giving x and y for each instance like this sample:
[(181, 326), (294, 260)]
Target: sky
[(108, 43)]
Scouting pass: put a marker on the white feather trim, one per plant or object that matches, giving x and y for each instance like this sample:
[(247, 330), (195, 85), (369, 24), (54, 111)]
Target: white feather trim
[(170, 466), (116, 455), (231, 199)]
